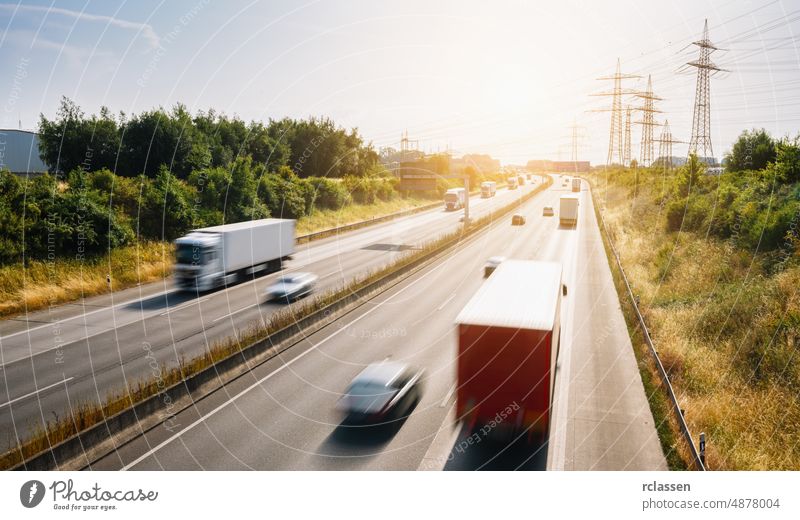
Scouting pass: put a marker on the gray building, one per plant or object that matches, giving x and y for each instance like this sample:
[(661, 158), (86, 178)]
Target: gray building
[(19, 152)]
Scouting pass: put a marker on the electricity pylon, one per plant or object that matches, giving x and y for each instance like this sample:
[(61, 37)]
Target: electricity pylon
[(647, 122), (575, 138), (665, 142), (626, 148), (700, 143), (615, 141)]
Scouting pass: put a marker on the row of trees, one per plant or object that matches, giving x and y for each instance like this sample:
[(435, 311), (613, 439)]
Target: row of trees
[(755, 202), (86, 213), (143, 143)]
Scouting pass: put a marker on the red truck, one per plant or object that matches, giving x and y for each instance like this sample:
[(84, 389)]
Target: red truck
[(508, 340)]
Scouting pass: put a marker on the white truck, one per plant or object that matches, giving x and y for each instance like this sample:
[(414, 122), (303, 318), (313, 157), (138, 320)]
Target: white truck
[(488, 189), (512, 183), (454, 198), (568, 210), (211, 257), (576, 184)]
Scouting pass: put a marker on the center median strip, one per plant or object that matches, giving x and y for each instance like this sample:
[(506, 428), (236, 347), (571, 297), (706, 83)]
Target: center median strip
[(93, 430)]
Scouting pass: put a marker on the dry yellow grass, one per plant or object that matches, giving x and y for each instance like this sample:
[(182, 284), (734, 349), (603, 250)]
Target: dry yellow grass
[(321, 220), (41, 284), (726, 330)]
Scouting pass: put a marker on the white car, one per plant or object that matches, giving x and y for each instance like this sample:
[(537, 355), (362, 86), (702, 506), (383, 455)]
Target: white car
[(291, 286)]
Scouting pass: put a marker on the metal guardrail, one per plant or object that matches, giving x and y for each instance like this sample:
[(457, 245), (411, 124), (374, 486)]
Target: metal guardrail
[(697, 455), (374, 220), (364, 223)]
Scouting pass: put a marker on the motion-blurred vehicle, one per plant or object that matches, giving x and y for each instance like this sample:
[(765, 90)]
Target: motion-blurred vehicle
[(518, 220), (576, 184), (512, 183), (454, 199), (521, 180), (568, 210), (293, 286), (508, 339), (382, 391), (210, 257), (548, 211), (491, 264), (488, 189)]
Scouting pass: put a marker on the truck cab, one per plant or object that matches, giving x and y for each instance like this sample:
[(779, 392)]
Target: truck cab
[(454, 199), (198, 262)]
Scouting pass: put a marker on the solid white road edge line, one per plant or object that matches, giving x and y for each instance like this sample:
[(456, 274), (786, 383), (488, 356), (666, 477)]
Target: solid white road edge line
[(279, 369), (20, 398)]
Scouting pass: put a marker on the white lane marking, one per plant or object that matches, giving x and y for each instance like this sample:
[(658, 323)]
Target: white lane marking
[(438, 454), (83, 315), (448, 396), (330, 274), (184, 305), (562, 406), (440, 307), (20, 398), (235, 312), (277, 370)]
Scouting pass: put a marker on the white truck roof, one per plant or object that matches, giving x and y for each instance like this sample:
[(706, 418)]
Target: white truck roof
[(247, 224), (520, 294)]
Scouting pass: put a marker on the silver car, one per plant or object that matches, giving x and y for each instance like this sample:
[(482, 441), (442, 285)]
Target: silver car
[(381, 392), (293, 286)]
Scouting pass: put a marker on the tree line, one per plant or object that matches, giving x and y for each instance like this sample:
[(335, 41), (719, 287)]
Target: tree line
[(141, 144), (159, 174), (755, 202)]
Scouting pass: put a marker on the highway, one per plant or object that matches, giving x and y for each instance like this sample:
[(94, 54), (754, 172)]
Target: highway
[(281, 414), (52, 359)]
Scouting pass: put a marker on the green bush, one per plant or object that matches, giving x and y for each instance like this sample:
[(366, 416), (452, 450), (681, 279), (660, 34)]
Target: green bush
[(327, 193)]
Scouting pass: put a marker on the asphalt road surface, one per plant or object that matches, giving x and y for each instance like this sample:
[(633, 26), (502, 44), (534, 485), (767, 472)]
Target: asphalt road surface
[(52, 359), (281, 415)]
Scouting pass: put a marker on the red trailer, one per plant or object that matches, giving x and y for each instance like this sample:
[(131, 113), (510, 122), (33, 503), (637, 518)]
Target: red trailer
[(508, 339)]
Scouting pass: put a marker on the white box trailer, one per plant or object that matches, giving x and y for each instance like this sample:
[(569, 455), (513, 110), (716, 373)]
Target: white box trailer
[(568, 210), (210, 257)]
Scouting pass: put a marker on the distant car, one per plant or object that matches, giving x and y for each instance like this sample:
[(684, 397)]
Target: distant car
[(518, 220), (381, 392), (548, 211), (491, 264), (290, 287)]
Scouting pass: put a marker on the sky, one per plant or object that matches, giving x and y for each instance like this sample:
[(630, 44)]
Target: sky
[(506, 78)]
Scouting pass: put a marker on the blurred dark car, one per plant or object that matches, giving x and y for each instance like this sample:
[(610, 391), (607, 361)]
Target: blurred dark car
[(518, 220), (382, 392), (491, 264), (290, 287)]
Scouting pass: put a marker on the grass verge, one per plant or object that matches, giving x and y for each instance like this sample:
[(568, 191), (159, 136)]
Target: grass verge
[(726, 322), (42, 284)]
